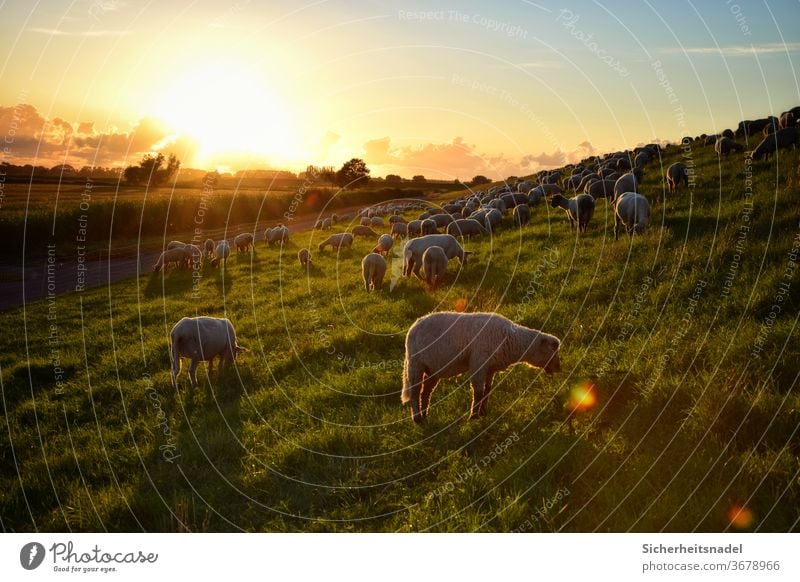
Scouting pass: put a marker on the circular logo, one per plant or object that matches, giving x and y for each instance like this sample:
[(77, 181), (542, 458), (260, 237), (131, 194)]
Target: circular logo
[(31, 555)]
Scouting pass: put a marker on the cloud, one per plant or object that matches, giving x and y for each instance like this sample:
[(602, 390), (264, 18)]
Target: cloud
[(539, 65), (533, 163), (86, 33), (737, 51)]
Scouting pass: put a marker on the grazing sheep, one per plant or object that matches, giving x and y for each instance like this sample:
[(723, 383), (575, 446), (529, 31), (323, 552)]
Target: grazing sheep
[(365, 221), (783, 139), (202, 339), (394, 218), (513, 200), (526, 186), (279, 234), (399, 229), (243, 242), (442, 220), (493, 219), (373, 269), (724, 145), (447, 344), (452, 208), (641, 159), (572, 182), (221, 253), (209, 247), (428, 226), (579, 209), (361, 230), (677, 175), (384, 244), (522, 214), (326, 224), (174, 255), (623, 164), (633, 211), (175, 244), (193, 256), (304, 256), (788, 119), (727, 133), (465, 227), (414, 228), (337, 241), (334, 218), (542, 192), (434, 264), (376, 221), (499, 205), (627, 183), (415, 248), (600, 189)]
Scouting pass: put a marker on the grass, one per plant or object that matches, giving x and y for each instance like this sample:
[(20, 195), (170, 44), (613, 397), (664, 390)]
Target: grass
[(697, 406)]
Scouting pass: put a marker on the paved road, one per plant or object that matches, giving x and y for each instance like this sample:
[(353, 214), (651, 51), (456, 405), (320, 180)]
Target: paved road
[(64, 273)]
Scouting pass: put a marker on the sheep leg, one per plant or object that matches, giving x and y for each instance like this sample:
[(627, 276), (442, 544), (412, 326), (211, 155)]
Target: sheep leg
[(428, 385), (408, 266), (414, 379), (417, 269), (484, 405), (193, 372), (617, 222), (478, 382)]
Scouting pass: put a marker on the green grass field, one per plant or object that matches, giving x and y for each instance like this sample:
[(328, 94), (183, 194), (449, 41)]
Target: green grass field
[(695, 376)]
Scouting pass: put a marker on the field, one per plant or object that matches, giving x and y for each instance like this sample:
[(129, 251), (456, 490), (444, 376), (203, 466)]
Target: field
[(688, 335)]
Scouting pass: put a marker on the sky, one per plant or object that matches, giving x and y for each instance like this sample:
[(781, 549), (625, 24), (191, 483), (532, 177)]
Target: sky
[(446, 89)]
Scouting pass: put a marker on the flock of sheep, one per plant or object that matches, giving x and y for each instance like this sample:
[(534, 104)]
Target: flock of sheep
[(441, 345)]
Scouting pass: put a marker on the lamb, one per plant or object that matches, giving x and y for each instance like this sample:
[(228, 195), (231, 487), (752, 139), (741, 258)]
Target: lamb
[(209, 247), (632, 210), (434, 263), (414, 249), (522, 214), (202, 338), (677, 175), (221, 253), (243, 242), (579, 209), (384, 244), (373, 269), (399, 229), (361, 230), (724, 145), (786, 138), (628, 183), (304, 256), (447, 344), (428, 226), (600, 189), (466, 227), (337, 241), (174, 255)]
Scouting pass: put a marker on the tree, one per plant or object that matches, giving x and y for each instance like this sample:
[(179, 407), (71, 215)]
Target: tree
[(353, 173), (151, 170), (393, 179), (479, 180), (419, 179)]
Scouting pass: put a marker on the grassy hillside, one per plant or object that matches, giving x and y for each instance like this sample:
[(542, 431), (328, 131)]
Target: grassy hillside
[(694, 372)]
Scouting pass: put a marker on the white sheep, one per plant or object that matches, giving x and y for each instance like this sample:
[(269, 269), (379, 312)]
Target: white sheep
[(202, 339), (384, 244), (443, 345), (434, 264), (193, 256), (522, 214), (304, 256), (243, 242), (627, 183), (442, 220), (428, 226), (326, 224), (365, 221), (277, 235), (208, 247), (221, 253), (494, 218), (465, 227), (415, 248), (376, 221), (414, 228), (175, 244), (373, 269), (361, 230), (399, 229), (633, 211), (395, 218), (579, 209), (337, 241), (174, 255)]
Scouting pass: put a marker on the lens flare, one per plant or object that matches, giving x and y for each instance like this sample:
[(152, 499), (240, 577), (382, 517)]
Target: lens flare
[(461, 304), (582, 397), (740, 517)]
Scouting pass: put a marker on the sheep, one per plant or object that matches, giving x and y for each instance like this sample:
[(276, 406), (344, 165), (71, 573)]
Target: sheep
[(326, 224), (579, 209), (174, 255), (542, 192), (428, 226), (446, 344), (399, 229), (279, 234), (175, 244), (724, 145), (641, 159), (628, 183), (787, 119), (337, 241), (498, 204), (202, 338), (243, 242), (493, 219), (522, 214), (442, 220), (373, 269), (334, 218), (376, 221), (193, 256), (633, 211), (452, 208), (209, 247), (304, 256), (782, 139), (677, 175), (361, 230), (513, 200), (414, 249), (600, 189), (525, 186), (221, 253), (466, 227), (434, 263), (397, 218), (711, 139), (384, 244), (572, 182), (414, 228)]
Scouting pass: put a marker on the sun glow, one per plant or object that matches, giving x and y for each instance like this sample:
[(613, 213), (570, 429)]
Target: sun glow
[(231, 114)]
